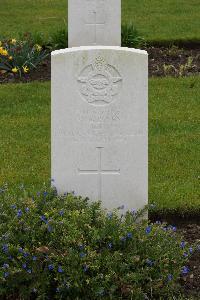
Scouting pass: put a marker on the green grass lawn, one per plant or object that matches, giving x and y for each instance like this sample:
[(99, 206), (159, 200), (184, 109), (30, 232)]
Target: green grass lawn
[(173, 139), (156, 20)]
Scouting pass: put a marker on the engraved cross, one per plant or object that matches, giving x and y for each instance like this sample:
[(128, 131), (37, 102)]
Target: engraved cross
[(99, 172), (96, 17)]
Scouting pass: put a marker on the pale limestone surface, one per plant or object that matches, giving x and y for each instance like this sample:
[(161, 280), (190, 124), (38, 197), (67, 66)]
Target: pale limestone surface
[(94, 22), (99, 124)]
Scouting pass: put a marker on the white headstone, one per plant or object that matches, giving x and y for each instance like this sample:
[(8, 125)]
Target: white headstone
[(94, 22), (99, 124)]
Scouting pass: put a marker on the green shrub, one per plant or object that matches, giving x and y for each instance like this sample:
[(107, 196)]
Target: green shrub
[(58, 39), (64, 247), (130, 37), (20, 56)]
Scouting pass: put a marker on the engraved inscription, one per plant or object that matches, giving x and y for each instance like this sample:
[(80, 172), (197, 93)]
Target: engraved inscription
[(99, 82), (95, 17), (99, 172)]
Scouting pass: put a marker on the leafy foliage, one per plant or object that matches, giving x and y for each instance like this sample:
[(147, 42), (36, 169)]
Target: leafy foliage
[(20, 56), (130, 36), (69, 248), (58, 39)]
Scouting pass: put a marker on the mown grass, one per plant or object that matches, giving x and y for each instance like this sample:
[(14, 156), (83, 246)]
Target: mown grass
[(24, 133), (156, 20), (174, 143), (173, 139)]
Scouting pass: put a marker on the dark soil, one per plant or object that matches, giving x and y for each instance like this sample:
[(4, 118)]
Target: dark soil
[(162, 62), (173, 61), (189, 227), (191, 283)]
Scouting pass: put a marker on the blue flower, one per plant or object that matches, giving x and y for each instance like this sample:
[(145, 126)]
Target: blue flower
[(185, 270), (24, 265), (38, 194), (19, 213), (123, 239), (34, 258), (149, 262), (13, 206), (45, 194), (21, 250), (170, 277), (185, 254), (61, 212), (82, 254), (148, 229), (81, 247), (182, 245), (174, 228), (60, 270), (133, 211), (129, 235), (44, 219), (50, 267), (5, 274), (190, 250), (109, 215), (25, 254), (5, 266), (5, 248), (29, 271), (110, 245), (85, 268), (27, 209)]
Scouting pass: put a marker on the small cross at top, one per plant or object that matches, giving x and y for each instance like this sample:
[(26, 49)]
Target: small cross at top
[(95, 17), (94, 22)]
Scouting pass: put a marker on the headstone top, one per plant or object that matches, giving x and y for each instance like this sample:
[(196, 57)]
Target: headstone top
[(94, 22), (93, 48)]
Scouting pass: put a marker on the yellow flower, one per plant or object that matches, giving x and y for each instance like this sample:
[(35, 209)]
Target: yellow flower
[(10, 57), (13, 41), (3, 51), (15, 70), (38, 47), (25, 69)]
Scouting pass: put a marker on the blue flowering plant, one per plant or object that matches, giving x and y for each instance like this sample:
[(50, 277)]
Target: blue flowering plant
[(65, 247)]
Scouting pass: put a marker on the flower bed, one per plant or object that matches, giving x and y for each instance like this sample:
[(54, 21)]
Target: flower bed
[(19, 57), (65, 247)]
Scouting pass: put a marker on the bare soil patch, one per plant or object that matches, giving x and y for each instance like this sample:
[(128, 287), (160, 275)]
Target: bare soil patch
[(191, 283), (162, 62)]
